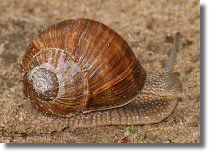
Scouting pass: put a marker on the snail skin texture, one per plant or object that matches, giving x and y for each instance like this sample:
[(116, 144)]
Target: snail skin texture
[(81, 73)]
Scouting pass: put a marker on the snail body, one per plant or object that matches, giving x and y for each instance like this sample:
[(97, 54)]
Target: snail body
[(84, 73)]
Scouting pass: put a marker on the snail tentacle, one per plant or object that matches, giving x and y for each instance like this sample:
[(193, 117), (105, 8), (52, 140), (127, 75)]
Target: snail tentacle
[(169, 66)]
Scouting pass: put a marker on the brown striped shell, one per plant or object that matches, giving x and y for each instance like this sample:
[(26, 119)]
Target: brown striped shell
[(80, 65)]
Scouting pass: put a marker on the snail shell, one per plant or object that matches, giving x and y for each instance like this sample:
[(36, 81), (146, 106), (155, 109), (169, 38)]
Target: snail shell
[(83, 70), (81, 66)]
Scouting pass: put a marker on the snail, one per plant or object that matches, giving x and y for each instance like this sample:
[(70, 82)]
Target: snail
[(84, 73)]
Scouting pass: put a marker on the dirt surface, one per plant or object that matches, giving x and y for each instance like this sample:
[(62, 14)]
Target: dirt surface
[(149, 28)]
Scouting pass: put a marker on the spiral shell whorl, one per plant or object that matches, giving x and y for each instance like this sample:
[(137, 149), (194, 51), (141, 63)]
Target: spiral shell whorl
[(45, 84), (50, 79)]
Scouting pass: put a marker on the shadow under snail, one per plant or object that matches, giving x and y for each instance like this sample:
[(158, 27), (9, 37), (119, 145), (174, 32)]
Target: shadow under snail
[(82, 72)]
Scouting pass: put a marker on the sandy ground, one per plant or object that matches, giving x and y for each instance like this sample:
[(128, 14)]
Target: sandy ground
[(144, 25)]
